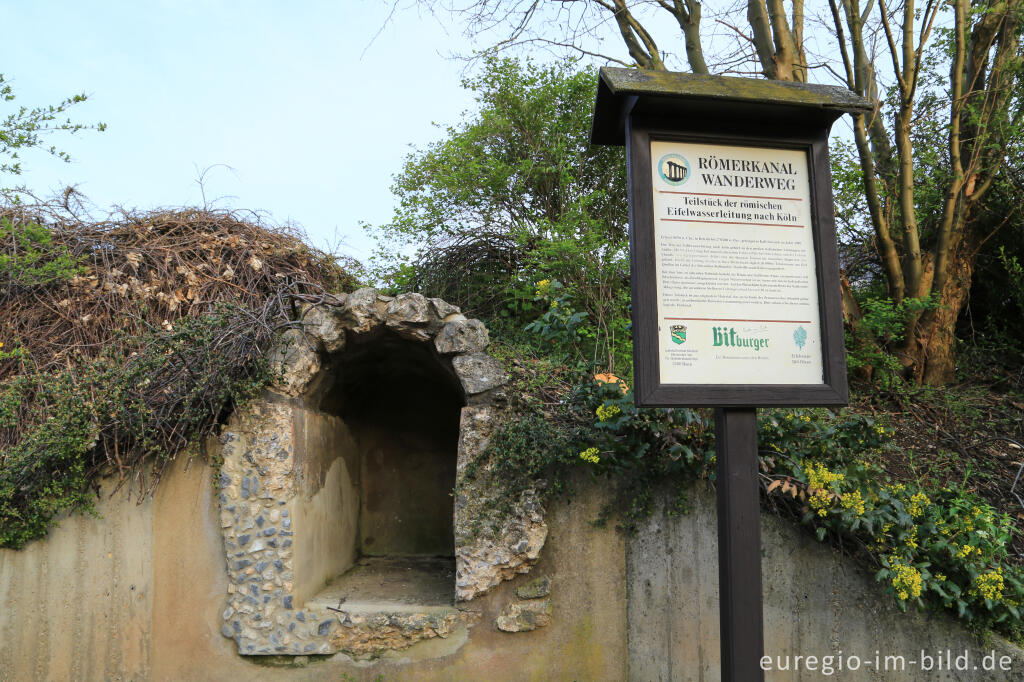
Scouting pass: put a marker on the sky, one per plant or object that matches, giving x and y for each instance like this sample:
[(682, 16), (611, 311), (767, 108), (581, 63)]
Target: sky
[(303, 111), (295, 109)]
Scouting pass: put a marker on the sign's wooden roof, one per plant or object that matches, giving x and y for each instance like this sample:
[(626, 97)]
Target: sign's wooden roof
[(620, 91)]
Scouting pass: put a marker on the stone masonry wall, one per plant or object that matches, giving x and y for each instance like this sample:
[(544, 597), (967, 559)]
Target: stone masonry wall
[(259, 495)]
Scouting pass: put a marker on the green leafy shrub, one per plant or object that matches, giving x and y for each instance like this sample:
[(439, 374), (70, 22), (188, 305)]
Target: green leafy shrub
[(515, 193), (144, 407), (531, 449), (942, 548), (1015, 278), (125, 341), (871, 340), (598, 430), (36, 260), (560, 328), (935, 547)]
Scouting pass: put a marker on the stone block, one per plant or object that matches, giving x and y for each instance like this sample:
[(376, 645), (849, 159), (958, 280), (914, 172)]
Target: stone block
[(327, 324), (298, 362), (524, 616), (462, 336), (476, 426), (535, 589), (413, 317), (479, 372), (444, 309), (364, 310)]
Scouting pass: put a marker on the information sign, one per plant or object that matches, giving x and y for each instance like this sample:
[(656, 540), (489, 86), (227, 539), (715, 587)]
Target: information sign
[(736, 281)]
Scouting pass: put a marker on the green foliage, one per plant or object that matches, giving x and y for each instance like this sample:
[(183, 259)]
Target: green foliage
[(989, 207), (940, 547), (1015, 274), (643, 450), (853, 221), (881, 327), (26, 128), (936, 546), (145, 408), (531, 449), (513, 195), (560, 330), (36, 260), (600, 431)]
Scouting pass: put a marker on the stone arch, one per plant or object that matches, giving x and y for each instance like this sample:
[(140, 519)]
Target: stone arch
[(351, 458)]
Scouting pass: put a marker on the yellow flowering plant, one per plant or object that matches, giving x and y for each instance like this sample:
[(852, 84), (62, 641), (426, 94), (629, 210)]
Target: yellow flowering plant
[(12, 351), (561, 326), (936, 548), (941, 548)]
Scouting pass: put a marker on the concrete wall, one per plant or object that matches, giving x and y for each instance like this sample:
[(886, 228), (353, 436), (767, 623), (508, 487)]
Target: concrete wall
[(407, 492), (408, 434), (137, 594), (816, 603), (326, 511), (79, 605)]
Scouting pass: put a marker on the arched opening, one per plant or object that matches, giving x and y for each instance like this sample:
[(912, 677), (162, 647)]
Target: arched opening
[(399, 406)]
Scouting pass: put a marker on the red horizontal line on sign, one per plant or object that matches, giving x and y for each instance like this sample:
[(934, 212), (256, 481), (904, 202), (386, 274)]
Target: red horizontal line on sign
[(729, 319), (733, 196), (725, 222)]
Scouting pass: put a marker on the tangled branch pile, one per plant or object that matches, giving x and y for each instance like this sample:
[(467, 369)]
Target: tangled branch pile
[(140, 271), (125, 340), (464, 268)]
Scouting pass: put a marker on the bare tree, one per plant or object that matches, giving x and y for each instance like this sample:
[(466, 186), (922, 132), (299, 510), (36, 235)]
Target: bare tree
[(933, 260), (575, 25), (927, 254), (578, 25)]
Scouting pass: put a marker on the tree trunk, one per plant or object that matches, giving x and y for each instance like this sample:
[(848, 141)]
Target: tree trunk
[(928, 351), (852, 316), (939, 359)]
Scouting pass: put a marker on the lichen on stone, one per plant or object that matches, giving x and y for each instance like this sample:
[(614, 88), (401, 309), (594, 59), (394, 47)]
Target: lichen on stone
[(524, 616)]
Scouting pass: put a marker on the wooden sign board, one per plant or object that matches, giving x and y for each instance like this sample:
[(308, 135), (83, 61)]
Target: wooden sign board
[(735, 279), (735, 273)]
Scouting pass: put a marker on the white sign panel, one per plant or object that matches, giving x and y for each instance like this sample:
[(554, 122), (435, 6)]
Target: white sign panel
[(737, 291)]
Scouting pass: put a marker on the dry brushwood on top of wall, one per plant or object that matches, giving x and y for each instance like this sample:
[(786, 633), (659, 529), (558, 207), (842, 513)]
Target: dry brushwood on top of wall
[(144, 270), (124, 340)]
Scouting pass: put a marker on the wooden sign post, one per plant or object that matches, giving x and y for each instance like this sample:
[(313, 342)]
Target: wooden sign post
[(735, 279)]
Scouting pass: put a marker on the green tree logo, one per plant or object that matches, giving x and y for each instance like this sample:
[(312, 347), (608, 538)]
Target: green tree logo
[(800, 337)]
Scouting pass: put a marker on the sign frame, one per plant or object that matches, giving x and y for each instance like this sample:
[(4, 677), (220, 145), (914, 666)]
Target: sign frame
[(634, 107), (649, 390)]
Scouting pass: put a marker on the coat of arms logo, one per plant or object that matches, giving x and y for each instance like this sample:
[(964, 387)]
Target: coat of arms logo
[(678, 333)]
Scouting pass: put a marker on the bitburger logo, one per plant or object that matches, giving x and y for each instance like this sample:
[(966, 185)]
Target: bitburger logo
[(722, 336)]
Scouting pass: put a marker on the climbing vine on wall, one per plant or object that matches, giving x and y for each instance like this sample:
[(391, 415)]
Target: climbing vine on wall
[(142, 409)]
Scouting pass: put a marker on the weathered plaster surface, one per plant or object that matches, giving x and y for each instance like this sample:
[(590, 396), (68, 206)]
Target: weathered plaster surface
[(325, 509), (816, 602), (71, 613), (77, 605), (326, 532)]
